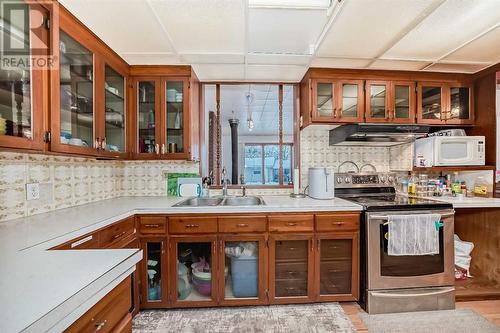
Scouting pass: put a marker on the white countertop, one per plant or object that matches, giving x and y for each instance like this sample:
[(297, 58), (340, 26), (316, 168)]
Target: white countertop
[(44, 290), (475, 202)]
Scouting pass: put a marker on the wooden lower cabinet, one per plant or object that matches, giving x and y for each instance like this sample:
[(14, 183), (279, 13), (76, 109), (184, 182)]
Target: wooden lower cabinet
[(193, 270), (337, 266), (110, 314), (291, 268), (154, 272), (243, 269)]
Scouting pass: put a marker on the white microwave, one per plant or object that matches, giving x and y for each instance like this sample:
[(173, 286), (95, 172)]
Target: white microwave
[(449, 151)]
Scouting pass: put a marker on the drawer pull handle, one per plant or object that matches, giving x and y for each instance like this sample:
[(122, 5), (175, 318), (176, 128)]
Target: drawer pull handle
[(192, 225), (119, 235), (242, 225), (291, 224), (292, 248), (338, 223), (152, 225), (333, 247), (99, 326), (333, 270), (292, 273), (290, 288)]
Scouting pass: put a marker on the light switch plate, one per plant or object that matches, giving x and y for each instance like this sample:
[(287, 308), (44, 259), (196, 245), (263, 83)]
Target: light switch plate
[(32, 191)]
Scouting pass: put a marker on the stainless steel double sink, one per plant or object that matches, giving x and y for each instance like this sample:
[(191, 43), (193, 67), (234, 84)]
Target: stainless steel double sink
[(221, 201)]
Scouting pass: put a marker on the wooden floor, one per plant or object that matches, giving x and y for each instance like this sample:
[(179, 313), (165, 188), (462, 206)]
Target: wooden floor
[(488, 309)]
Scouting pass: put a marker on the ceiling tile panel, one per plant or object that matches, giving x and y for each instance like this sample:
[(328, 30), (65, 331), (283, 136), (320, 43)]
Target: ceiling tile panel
[(456, 68), (390, 64), (277, 59), (203, 26), (275, 73), (363, 29), (219, 72), (213, 58), (150, 58), (449, 26), (271, 30), (339, 62), (486, 48), (123, 27)]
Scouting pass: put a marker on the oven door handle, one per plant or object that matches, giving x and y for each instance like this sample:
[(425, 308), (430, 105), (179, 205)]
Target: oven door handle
[(432, 293), (385, 217)]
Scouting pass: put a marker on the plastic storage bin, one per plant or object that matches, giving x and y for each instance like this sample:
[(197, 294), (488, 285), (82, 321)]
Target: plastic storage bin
[(244, 275)]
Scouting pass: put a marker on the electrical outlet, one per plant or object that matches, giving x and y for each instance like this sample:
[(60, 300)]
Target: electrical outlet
[(32, 191)]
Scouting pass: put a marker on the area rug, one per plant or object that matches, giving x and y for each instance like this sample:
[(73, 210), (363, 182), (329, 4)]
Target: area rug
[(314, 318), (445, 321)]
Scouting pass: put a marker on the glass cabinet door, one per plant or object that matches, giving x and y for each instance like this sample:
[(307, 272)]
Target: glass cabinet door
[(377, 101), (403, 102), (154, 261), (242, 267), (76, 93), (146, 117), (430, 103), (351, 99), (21, 91), (196, 271), (325, 100), (114, 113), (460, 104), (175, 117), (335, 266), (291, 268)]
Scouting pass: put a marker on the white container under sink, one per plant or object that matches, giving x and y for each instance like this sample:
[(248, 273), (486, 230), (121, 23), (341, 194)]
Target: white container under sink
[(321, 183)]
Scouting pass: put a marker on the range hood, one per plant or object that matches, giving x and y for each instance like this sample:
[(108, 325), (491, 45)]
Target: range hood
[(376, 134)]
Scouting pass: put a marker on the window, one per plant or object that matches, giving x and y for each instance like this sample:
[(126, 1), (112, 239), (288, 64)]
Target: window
[(263, 160), (249, 131)]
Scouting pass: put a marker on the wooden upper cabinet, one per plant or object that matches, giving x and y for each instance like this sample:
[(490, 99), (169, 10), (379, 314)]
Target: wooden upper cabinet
[(88, 93), (337, 101), (444, 103), (390, 101), (23, 94), (165, 113)]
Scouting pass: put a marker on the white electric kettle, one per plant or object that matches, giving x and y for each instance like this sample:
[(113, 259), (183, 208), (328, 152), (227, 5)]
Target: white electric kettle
[(321, 183)]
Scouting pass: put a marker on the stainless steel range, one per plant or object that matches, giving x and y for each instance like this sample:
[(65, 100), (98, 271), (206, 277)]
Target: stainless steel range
[(398, 283)]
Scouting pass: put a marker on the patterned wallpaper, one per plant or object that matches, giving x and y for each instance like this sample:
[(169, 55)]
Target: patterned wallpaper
[(70, 181)]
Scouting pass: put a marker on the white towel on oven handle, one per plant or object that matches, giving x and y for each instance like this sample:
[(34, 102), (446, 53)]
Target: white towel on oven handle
[(413, 235)]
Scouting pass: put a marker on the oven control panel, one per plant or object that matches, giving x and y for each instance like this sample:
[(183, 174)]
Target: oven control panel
[(379, 179)]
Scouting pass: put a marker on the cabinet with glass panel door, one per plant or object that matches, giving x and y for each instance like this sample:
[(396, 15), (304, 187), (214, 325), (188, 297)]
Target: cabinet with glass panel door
[(113, 117), (291, 268), (337, 101), (154, 293), (445, 103), (146, 117), (23, 104), (243, 269), (175, 118), (193, 270), (337, 266), (390, 101)]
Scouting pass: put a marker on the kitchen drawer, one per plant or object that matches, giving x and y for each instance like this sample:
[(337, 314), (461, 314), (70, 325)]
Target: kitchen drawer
[(339, 249), (90, 241), (192, 225), (290, 288), (337, 222), (239, 224), (108, 313), (339, 283), (287, 250), (152, 225), (116, 232), (125, 325), (291, 223), (286, 270)]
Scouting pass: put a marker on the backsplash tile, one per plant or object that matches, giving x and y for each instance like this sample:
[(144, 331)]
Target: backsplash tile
[(69, 181), (317, 152)]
